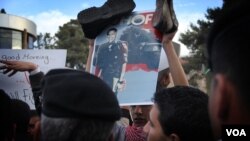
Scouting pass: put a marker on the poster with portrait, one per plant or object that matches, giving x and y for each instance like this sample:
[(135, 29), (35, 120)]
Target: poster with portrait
[(126, 56), (18, 86)]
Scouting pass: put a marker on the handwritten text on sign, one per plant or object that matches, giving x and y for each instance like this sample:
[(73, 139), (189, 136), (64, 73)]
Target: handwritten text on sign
[(18, 86)]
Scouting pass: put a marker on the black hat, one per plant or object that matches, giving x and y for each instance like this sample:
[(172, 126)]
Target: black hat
[(76, 94)]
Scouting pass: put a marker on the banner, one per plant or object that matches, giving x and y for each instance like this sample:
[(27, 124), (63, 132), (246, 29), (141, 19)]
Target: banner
[(126, 56), (18, 86)]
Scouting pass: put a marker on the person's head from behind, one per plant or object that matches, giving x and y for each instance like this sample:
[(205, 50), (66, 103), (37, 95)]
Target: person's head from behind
[(140, 114), (21, 114), (77, 106), (180, 114), (111, 34), (6, 125), (34, 118), (228, 51)]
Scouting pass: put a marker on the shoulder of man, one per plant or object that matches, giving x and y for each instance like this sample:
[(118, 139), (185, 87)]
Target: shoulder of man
[(119, 132), (119, 42), (104, 44)]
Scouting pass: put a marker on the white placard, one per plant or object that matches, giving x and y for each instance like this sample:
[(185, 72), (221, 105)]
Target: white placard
[(18, 86)]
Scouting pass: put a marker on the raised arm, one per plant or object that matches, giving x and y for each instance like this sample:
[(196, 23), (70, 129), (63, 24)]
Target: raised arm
[(176, 70), (11, 67)]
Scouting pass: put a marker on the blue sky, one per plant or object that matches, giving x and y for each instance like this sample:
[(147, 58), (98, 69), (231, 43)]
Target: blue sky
[(50, 14)]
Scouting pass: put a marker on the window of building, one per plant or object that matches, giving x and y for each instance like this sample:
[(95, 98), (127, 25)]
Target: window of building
[(5, 39), (16, 40), (30, 42), (10, 39)]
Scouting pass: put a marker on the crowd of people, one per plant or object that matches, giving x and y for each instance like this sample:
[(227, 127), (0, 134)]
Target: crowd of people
[(74, 105)]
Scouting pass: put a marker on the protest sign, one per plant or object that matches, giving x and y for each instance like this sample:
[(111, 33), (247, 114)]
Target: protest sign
[(126, 56), (18, 86)]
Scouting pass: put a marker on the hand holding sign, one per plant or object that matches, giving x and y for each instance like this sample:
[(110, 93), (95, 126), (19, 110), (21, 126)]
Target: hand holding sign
[(21, 64), (12, 67)]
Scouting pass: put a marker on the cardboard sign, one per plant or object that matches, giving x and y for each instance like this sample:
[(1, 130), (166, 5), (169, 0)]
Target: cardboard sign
[(18, 86)]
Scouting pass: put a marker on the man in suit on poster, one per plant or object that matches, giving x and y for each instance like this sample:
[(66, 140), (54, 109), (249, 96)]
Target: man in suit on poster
[(111, 61)]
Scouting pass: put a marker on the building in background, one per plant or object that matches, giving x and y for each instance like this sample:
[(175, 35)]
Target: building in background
[(16, 32)]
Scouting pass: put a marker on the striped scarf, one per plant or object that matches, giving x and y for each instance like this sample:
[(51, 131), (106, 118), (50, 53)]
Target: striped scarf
[(134, 133)]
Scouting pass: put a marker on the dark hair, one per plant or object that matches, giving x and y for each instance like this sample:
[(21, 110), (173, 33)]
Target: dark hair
[(183, 110), (21, 117), (33, 113), (74, 129), (228, 45), (111, 29), (5, 116)]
